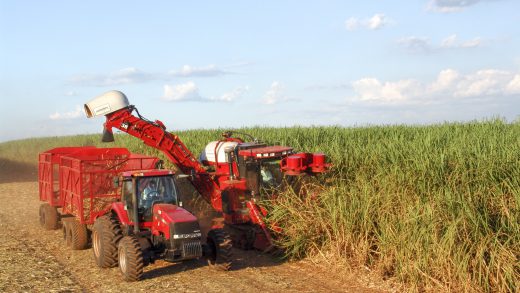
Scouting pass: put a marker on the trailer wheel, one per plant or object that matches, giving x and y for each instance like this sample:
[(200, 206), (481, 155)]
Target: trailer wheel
[(105, 237), (78, 235), (219, 246), (67, 236), (49, 217), (131, 262)]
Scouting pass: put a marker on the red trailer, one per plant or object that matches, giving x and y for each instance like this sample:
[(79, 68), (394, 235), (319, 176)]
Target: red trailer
[(76, 185)]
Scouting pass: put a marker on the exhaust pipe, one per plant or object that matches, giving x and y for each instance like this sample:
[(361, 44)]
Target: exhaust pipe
[(105, 104)]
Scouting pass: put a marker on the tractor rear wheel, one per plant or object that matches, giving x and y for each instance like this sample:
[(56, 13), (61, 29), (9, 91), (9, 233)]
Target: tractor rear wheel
[(49, 217), (105, 237), (219, 246), (131, 262)]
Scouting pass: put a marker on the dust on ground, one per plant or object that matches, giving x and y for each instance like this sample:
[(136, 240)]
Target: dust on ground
[(36, 260)]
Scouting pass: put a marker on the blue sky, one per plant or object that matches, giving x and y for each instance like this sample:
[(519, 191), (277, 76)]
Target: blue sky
[(245, 63)]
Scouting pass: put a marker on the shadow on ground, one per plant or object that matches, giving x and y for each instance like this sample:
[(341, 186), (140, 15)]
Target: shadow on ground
[(241, 260), (12, 171)]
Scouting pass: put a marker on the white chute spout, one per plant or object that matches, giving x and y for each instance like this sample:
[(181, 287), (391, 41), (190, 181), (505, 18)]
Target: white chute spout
[(105, 104)]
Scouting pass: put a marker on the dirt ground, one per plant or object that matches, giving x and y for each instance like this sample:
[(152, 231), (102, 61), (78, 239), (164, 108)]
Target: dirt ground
[(36, 260)]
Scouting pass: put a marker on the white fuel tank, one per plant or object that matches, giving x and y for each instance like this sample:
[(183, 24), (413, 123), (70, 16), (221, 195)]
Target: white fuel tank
[(209, 152), (107, 103)]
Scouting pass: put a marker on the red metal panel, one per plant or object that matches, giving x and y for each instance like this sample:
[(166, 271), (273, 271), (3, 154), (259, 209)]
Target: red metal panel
[(266, 152), (45, 177), (301, 163), (86, 178), (165, 214), (88, 190), (48, 178)]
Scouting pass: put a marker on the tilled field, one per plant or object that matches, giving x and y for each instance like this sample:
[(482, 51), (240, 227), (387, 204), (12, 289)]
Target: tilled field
[(36, 260)]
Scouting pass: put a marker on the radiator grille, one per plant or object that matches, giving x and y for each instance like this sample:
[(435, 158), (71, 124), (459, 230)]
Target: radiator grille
[(191, 249)]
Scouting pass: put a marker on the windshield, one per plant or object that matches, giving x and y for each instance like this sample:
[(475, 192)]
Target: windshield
[(270, 174), (152, 190), (158, 188)]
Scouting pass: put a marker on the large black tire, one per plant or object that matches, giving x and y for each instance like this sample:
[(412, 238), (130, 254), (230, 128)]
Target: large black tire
[(219, 249), (49, 217), (78, 235), (67, 235), (131, 262), (105, 237)]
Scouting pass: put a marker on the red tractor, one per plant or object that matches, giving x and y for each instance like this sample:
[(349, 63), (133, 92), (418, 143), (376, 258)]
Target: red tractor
[(231, 174), (132, 210)]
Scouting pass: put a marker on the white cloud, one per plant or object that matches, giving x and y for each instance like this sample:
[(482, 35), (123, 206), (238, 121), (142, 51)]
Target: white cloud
[(371, 89), (486, 82), (232, 95), (513, 87), (449, 84), (446, 6), (352, 23), (445, 81), (190, 92), (375, 22), (191, 71), (275, 94), (67, 115), (128, 75), (416, 44), (132, 75), (452, 42), (182, 92), (71, 93)]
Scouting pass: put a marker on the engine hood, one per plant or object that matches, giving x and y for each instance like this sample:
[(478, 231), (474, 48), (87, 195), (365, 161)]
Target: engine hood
[(169, 213)]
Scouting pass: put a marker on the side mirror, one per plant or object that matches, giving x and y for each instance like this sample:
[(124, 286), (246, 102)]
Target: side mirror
[(115, 182)]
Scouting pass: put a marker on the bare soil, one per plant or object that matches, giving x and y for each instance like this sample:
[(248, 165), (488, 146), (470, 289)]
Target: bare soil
[(35, 260)]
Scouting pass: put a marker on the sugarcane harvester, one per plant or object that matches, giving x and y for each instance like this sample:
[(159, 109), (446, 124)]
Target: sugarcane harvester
[(230, 174)]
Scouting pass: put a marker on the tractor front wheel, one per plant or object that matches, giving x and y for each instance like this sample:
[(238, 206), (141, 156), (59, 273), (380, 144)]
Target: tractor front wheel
[(105, 237), (49, 217), (131, 262), (218, 252)]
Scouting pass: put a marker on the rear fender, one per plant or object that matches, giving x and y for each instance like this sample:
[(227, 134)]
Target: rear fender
[(119, 209)]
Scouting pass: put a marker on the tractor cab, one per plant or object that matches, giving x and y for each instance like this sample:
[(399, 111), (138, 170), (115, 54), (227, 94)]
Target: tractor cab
[(147, 188)]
